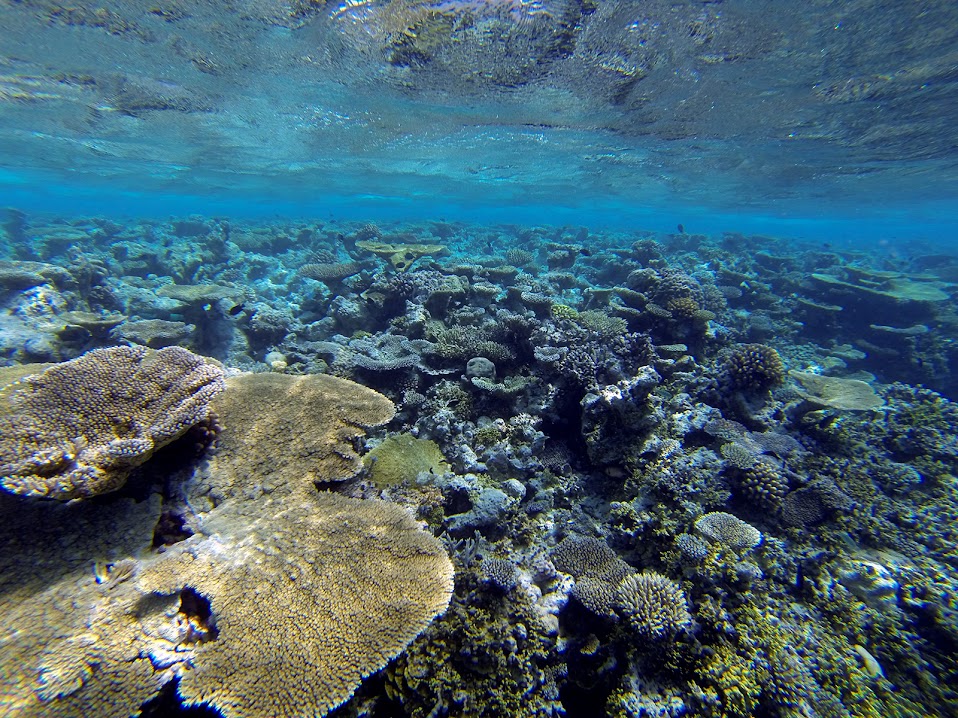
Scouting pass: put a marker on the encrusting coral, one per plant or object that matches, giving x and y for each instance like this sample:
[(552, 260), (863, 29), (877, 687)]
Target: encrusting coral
[(78, 428), (402, 458)]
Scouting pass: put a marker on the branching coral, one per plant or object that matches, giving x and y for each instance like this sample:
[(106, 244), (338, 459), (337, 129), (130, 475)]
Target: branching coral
[(654, 604), (755, 367), (77, 429)]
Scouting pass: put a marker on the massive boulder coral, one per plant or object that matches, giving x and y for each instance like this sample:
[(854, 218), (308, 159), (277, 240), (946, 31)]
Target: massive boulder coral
[(78, 428)]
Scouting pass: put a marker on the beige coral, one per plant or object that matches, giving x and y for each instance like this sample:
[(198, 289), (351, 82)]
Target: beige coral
[(308, 591), (72, 647), (306, 603), (281, 432), (78, 428)]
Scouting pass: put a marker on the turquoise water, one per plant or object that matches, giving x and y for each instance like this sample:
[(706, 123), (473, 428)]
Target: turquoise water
[(421, 358)]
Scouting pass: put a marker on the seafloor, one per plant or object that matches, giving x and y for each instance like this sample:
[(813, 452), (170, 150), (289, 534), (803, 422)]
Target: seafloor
[(676, 474)]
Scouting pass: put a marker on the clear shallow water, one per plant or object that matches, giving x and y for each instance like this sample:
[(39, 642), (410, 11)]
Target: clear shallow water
[(825, 111), (662, 299)]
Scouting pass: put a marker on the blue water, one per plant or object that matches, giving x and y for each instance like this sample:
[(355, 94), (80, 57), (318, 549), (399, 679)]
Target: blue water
[(675, 381), (828, 120)]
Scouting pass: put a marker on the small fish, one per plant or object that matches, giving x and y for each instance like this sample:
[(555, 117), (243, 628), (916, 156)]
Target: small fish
[(585, 252), (236, 310), (681, 228)]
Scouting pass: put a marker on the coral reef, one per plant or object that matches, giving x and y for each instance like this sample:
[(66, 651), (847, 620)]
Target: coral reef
[(646, 513)]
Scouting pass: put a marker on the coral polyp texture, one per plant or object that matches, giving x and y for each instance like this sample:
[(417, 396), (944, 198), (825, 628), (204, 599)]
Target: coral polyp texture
[(655, 605), (77, 429), (282, 432), (755, 367), (306, 602)]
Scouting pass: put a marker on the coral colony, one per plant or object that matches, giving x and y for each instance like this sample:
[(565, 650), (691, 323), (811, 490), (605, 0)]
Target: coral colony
[(327, 468)]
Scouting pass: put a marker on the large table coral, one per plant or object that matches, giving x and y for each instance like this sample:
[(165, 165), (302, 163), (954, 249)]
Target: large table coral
[(278, 605), (78, 428), (307, 602)]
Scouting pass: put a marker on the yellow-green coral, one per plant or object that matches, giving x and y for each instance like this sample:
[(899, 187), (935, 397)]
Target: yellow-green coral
[(563, 311), (77, 429), (402, 458)]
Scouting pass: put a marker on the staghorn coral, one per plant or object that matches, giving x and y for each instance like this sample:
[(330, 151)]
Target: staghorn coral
[(601, 324), (306, 602), (755, 367), (692, 548), (581, 555), (738, 455), (77, 429), (728, 530), (463, 343), (654, 604), (489, 655)]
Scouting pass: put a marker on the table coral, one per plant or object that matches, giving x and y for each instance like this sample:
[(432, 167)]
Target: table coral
[(264, 447), (279, 604), (77, 429), (306, 603)]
